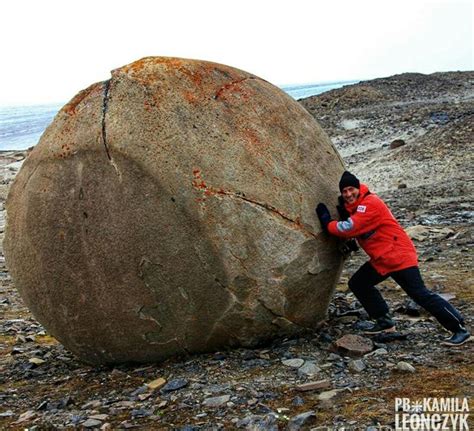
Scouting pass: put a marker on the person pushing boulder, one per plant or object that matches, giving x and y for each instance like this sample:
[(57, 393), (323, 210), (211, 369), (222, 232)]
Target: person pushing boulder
[(365, 217)]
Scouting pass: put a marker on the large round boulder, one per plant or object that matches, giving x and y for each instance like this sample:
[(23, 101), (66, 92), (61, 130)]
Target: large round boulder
[(170, 209)]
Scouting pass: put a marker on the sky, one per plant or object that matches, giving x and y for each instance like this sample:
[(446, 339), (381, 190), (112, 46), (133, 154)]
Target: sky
[(51, 49)]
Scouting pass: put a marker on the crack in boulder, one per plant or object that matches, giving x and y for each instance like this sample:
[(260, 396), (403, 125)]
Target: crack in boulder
[(280, 320), (239, 259), (199, 184), (105, 106), (296, 222)]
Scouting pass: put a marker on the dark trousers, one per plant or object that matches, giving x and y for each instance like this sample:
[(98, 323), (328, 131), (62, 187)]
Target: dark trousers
[(363, 282)]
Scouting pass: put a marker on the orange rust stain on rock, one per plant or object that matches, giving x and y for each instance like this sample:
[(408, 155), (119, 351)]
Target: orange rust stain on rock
[(70, 108), (171, 62), (251, 137), (136, 66), (139, 69), (148, 106), (191, 97), (65, 151), (200, 185), (234, 89), (257, 147), (198, 182), (150, 102), (193, 75)]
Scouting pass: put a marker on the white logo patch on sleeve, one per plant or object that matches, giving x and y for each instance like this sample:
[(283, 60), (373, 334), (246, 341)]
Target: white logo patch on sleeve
[(361, 209)]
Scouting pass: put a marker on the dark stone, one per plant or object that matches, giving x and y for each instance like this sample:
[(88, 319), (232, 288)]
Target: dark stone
[(174, 385), (397, 143), (439, 117), (77, 419), (248, 355), (42, 405), (410, 308), (141, 413), (140, 390), (297, 401), (325, 338), (219, 356), (389, 337), (256, 363)]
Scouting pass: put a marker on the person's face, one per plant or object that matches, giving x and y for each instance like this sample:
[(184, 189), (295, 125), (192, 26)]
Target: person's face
[(350, 194)]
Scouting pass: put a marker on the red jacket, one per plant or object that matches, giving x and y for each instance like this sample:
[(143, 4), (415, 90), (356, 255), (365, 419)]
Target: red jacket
[(377, 232)]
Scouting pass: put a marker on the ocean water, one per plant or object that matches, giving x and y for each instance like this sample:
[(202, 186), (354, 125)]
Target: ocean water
[(22, 126), (306, 90)]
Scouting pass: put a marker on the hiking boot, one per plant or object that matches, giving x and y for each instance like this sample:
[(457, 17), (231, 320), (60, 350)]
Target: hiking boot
[(382, 324), (458, 338)]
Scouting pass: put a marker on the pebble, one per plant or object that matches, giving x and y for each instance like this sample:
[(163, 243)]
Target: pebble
[(259, 423), (30, 414), (355, 345), (328, 395), (293, 363), (156, 384), (357, 365), (334, 357), (139, 391), (216, 401), (347, 319), (406, 367), (309, 369), (124, 404), (313, 386), (303, 419), (141, 413), (91, 423), (174, 385), (145, 396), (397, 143), (126, 425), (378, 352), (297, 401), (99, 417)]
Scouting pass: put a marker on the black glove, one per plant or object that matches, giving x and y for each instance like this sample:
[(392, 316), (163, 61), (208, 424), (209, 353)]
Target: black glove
[(341, 209), (323, 215), (352, 244)]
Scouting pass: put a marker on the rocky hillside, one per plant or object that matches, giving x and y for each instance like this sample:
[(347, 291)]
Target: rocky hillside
[(408, 130)]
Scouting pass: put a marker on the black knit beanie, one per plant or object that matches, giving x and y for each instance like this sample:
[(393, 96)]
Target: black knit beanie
[(348, 180)]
